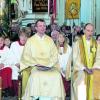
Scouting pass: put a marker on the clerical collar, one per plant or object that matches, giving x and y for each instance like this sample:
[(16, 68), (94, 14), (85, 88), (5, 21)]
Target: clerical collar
[(20, 43), (1, 48)]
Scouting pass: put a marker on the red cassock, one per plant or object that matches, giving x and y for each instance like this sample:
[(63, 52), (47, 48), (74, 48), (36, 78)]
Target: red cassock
[(6, 75), (67, 86)]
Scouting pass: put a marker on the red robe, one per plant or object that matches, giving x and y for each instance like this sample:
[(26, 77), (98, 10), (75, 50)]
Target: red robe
[(6, 72)]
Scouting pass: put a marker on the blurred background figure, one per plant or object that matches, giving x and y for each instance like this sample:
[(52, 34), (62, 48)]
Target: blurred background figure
[(55, 26), (33, 28), (98, 39), (14, 29), (54, 35), (68, 34), (7, 41)]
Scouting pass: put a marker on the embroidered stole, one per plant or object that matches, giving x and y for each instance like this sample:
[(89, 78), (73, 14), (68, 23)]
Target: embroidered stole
[(88, 61)]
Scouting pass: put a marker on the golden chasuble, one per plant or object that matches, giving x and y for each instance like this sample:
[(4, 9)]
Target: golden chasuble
[(40, 51), (88, 61)]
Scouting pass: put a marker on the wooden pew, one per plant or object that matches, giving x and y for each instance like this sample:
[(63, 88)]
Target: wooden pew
[(20, 86)]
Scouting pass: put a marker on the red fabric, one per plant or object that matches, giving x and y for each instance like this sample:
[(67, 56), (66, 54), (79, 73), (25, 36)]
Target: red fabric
[(67, 85), (6, 75), (15, 87), (52, 19), (1, 48), (50, 7), (61, 45), (54, 7), (52, 10)]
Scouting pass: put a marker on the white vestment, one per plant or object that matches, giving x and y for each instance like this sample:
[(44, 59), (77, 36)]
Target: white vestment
[(15, 54)]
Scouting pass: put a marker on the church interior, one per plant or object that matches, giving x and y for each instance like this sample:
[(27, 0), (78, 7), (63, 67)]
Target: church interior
[(67, 16)]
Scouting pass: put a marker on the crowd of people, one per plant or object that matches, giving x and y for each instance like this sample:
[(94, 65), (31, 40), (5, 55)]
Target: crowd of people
[(49, 58)]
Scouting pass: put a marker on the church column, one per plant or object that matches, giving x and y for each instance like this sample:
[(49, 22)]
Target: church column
[(97, 17), (61, 11)]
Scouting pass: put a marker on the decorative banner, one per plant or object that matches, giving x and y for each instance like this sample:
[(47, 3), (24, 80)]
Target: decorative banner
[(52, 4), (39, 5), (50, 7), (72, 9), (54, 7)]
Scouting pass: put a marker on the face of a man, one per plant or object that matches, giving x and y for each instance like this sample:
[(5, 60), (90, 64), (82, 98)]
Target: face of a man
[(54, 35), (41, 28), (89, 30)]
